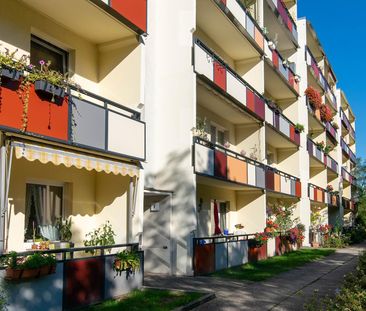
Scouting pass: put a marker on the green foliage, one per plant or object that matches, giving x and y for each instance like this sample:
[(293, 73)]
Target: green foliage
[(352, 295), (283, 216), (64, 229), (299, 127), (34, 261), (102, 236), (335, 240), (8, 59), (126, 261), (200, 129)]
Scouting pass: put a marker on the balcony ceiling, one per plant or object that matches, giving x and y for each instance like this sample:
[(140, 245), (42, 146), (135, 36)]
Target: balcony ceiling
[(275, 85), (218, 104), (214, 23), (83, 18), (315, 163)]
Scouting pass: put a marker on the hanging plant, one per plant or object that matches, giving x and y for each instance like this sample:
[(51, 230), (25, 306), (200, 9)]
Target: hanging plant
[(314, 97), (128, 261), (299, 127), (326, 113)]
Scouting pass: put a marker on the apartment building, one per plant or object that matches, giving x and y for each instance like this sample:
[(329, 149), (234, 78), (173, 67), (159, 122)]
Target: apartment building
[(77, 155), (225, 110)]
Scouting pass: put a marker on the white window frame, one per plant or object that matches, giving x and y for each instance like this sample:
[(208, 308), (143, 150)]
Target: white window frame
[(218, 128)]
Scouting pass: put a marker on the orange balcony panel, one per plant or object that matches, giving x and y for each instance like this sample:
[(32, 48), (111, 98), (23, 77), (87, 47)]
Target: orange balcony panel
[(133, 10), (277, 182), (298, 189), (237, 170), (220, 75), (258, 38)]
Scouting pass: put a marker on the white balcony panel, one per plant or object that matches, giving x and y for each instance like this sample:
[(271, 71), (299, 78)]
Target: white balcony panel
[(126, 136), (311, 193), (267, 50), (236, 88), (203, 62), (269, 115), (251, 174), (203, 160), (284, 126), (237, 11)]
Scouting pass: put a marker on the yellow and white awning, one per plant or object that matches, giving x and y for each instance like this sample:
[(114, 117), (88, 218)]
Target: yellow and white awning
[(56, 156)]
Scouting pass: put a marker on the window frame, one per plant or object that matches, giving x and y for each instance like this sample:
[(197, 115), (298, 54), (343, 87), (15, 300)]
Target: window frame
[(218, 128), (53, 48)]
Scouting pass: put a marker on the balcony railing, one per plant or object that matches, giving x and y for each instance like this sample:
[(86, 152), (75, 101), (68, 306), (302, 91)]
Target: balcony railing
[(332, 132), (331, 163), (244, 18), (312, 63), (315, 152), (285, 16), (212, 160), (348, 204), (89, 122), (347, 123), (279, 63), (347, 151), (277, 120), (348, 176), (213, 68)]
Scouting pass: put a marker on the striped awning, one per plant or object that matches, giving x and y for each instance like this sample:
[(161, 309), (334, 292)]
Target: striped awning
[(56, 156)]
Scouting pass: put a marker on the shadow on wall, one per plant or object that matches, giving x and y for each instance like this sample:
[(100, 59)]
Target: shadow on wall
[(177, 176)]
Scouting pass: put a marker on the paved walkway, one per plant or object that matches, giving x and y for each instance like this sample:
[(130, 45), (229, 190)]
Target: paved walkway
[(287, 291)]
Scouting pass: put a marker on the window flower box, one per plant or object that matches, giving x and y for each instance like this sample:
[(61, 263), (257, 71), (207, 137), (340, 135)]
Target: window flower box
[(10, 73), (48, 88)]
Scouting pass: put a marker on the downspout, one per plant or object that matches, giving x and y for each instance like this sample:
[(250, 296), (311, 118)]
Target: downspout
[(2, 191)]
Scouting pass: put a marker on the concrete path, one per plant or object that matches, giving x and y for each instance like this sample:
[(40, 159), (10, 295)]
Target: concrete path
[(287, 291)]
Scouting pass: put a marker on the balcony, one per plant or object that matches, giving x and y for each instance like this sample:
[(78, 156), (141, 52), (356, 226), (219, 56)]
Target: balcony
[(279, 123), (280, 79), (317, 74), (333, 199), (332, 164), (316, 155), (278, 20), (231, 26), (332, 133), (89, 122), (348, 205), (317, 194), (347, 152), (316, 125), (217, 74), (216, 162), (348, 177), (347, 125), (112, 20)]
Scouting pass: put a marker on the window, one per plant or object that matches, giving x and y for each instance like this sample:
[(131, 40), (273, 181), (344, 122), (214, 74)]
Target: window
[(44, 205), (42, 50), (218, 135)]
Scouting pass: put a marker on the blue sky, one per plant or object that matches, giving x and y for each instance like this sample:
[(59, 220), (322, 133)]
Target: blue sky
[(341, 31)]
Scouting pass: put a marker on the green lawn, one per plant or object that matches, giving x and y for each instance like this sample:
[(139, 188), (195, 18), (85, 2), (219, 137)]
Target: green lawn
[(265, 269), (148, 299)]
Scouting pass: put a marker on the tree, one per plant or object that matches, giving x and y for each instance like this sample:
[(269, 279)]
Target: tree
[(360, 190)]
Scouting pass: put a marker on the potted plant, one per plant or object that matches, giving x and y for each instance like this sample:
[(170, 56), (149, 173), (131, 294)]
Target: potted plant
[(330, 188), (102, 236), (10, 67), (320, 145), (12, 264), (128, 261), (314, 97), (64, 228), (325, 113), (200, 129), (299, 128), (256, 247)]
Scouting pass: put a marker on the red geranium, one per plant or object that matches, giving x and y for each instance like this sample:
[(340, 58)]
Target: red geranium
[(326, 113), (314, 97)]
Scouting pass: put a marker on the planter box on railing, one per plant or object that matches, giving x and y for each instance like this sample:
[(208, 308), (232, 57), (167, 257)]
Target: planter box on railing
[(209, 65), (280, 10), (72, 120), (282, 124), (312, 63)]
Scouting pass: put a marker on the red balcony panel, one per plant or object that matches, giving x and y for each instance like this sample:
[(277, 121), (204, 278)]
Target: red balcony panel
[(291, 78), (220, 164), (204, 259), (275, 59), (298, 188), (297, 138), (292, 132), (220, 75), (250, 100), (259, 107), (47, 118), (270, 180), (223, 1), (133, 10), (11, 107), (289, 24)]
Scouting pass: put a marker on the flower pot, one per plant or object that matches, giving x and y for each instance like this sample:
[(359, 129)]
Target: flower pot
[(117, 264), (45, 270), (30, 273), (12, 274), (48, 88), (10, 73), (253, 254), (315, 244)]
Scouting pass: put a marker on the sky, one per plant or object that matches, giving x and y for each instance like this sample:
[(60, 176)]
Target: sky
[(341, 31)]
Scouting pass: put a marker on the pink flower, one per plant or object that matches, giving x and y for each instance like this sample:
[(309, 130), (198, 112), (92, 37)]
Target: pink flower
[(42, 62)]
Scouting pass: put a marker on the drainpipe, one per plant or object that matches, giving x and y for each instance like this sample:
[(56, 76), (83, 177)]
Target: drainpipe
[(2, 192), (130, 209)]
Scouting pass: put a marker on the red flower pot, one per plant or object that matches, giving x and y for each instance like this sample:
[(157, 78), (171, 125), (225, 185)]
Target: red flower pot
[(13, 274), (30, 273), (44, 270)]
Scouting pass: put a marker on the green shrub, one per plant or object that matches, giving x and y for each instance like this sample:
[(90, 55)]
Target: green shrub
[(335, 240)]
